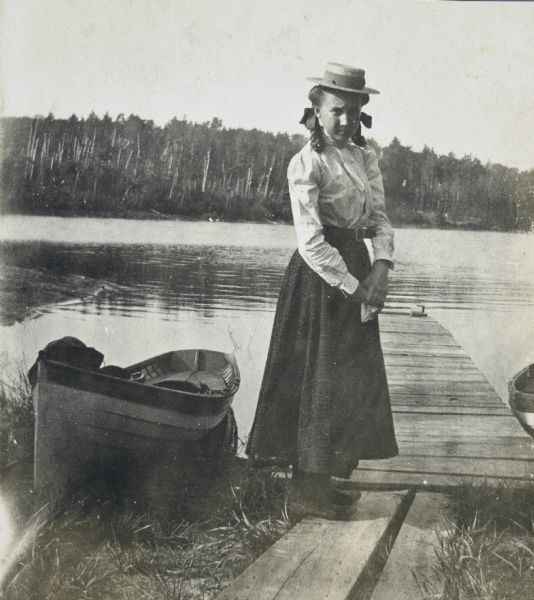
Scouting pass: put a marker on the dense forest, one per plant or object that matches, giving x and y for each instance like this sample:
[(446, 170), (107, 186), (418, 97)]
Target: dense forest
[(130, 167)]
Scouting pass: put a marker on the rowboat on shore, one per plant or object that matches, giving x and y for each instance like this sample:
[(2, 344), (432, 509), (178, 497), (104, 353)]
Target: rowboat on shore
[(86, 418), (521, 398)]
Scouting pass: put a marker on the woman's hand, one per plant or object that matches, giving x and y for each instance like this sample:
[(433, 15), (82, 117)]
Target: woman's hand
[(360, 295), (376, 284)]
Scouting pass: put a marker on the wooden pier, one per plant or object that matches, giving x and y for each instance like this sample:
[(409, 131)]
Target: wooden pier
[(450, 423), (451, 427)]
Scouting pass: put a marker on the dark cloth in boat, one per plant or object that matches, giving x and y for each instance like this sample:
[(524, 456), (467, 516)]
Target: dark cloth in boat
[(68, 350), (324, 401)]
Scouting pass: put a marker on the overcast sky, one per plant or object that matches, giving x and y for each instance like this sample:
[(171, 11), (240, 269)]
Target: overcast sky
[(457, 76)]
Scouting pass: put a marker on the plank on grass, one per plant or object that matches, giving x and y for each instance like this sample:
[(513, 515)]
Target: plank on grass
[(411, 571), (318, 559)]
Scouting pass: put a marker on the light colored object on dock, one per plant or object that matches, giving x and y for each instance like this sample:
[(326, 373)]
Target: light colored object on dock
[(83, 419), (418, 311), (521, 398)]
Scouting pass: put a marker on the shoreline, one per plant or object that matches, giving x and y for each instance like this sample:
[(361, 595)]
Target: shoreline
[(31, 290), (154, 215)]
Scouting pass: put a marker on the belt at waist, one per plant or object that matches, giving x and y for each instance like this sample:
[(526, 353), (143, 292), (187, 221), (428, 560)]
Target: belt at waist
[(358, 234)]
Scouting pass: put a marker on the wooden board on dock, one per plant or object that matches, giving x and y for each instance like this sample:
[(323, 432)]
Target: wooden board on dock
[(320, 559), (411, 571), (451, 425)]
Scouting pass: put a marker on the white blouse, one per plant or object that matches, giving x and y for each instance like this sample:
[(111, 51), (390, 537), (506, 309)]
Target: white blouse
[(340, 187)]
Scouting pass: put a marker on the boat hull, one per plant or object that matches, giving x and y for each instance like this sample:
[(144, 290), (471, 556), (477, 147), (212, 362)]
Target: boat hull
[(522, 401), (85, 420)]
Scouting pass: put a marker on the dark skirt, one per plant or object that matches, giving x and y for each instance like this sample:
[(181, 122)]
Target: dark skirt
[(324, 401)]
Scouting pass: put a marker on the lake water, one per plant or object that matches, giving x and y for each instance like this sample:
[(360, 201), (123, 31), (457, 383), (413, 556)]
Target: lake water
[(175, 284)]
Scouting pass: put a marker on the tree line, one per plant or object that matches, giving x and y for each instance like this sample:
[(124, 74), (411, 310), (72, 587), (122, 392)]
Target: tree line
[(130, 167)]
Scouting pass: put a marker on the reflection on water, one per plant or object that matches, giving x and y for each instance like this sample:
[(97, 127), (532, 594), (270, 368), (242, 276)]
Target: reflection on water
[(169, 285), (162, 279), (445, 269)]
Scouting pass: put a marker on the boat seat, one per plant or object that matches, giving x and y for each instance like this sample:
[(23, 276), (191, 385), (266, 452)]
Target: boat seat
[(214, 382)]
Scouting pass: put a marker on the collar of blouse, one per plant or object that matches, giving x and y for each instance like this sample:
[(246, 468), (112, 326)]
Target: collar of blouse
[(330, 142)]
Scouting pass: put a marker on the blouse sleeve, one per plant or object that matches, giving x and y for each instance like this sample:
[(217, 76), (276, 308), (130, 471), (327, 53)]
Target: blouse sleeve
[(304, 177), (383, 242)]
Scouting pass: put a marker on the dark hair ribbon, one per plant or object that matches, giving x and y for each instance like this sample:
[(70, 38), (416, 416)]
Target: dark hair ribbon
[(367, 120), (308, 119)]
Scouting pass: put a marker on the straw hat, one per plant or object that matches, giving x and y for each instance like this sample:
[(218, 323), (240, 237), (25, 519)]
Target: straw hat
[(344, 78)]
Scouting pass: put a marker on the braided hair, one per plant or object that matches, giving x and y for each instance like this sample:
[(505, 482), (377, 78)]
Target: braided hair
[(317, 135)]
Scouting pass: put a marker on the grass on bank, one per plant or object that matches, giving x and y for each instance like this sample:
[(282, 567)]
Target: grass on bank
[(16, 415), (205, 531), (488, 553), (186, 536), (23, 290), (96, 549)]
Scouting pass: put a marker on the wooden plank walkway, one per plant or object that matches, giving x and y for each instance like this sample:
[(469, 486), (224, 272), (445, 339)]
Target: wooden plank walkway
[(410, 571), (451, 427), (450, 423), (320, 559)]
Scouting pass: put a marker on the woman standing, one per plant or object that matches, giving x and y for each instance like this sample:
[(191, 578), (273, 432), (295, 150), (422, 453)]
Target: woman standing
[(324, 401)]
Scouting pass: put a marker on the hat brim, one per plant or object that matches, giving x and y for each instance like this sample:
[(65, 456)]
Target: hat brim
[(331, 86)]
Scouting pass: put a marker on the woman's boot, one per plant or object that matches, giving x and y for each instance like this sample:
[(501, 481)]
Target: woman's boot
[(319, 496)]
